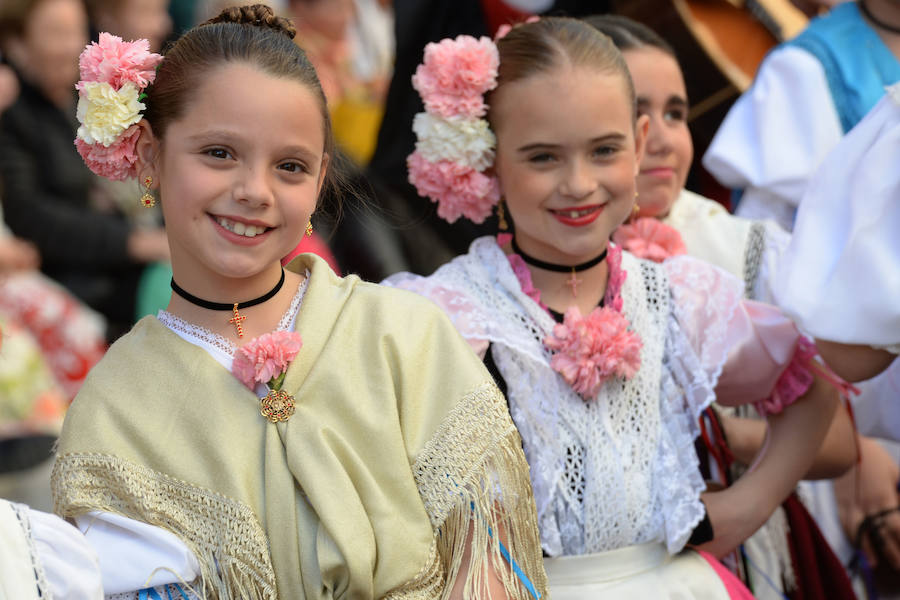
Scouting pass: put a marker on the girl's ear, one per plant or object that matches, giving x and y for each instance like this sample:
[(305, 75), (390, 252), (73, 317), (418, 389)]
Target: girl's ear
[(147, 151), (641, 127)]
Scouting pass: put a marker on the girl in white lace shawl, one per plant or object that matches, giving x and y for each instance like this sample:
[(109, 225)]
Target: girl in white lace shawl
[(607, 403)]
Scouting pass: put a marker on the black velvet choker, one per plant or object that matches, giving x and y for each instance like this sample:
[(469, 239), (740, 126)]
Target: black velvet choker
[(534, 262), (234, 307)]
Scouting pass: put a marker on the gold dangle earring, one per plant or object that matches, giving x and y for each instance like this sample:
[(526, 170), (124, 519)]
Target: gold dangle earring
[(502, 225), (636, 209), (309, 227), (147, 199)]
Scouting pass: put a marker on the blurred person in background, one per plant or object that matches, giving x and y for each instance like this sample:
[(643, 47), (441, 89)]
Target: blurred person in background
[(48, 193)]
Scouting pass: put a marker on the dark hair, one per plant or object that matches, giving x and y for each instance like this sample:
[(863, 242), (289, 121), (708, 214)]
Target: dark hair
[(251, 34), (628, 34), (14, 14), (543, 45)]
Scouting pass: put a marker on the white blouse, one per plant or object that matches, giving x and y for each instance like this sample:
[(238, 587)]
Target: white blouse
[(775, 135)]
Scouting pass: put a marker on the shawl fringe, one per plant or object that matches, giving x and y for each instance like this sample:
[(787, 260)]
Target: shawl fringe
[(477, 494), (223, 534)]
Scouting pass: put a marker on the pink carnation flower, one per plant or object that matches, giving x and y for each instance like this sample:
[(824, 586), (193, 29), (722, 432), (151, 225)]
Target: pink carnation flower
[(455, 74), (265, 358), (458, 190), (116, 162), (116, 62), (651, 239), (590, 350)]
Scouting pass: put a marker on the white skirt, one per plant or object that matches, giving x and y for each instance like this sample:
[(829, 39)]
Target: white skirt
[(634, 573)]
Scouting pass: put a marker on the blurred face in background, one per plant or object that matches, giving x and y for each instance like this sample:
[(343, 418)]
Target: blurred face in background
[(330, 18), (55, 33), (662, 97), (136, 19)]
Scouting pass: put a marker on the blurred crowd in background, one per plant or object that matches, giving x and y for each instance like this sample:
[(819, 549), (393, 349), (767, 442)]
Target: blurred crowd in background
[(81, 260)]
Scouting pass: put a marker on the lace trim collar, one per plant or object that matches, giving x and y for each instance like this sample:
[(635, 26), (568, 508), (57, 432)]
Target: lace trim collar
[(206, 337)]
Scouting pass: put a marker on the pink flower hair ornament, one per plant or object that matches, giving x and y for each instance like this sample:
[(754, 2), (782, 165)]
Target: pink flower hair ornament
[(114, 74), (454, 145)]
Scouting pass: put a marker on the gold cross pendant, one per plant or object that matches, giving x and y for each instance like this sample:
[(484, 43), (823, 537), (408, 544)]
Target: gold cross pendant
[(237, 319)]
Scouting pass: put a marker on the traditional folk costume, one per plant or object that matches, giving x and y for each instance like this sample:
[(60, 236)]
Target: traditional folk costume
[(401, 453), (770, 143), (839, 278), (615, 476), (787, 556)]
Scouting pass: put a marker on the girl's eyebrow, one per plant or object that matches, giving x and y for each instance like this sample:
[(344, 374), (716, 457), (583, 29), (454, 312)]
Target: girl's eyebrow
[(610, 137), (673, 99)]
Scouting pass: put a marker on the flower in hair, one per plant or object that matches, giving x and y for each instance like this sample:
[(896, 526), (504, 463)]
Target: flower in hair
[(454, 146), (105, 113), (590, 350), (651, 239), (455, 74), (117, 62), (114, 74), (461, 191), (116, 161)]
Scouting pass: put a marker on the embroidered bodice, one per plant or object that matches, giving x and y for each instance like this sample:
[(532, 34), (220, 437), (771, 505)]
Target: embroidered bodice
[(620, 469)]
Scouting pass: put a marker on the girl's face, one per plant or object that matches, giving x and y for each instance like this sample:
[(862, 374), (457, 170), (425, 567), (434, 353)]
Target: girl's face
[(55, 34), (238, 173), (662, 97), (134, 19), (567, 155)]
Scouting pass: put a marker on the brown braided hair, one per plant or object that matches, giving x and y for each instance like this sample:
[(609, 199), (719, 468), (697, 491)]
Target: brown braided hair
[(259, 15), (252, 35)]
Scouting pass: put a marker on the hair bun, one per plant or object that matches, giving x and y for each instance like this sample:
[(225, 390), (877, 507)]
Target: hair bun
[(257, 15)]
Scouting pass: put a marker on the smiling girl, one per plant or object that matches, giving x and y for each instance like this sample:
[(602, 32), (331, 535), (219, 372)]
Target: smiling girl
[(607, 360), (277, 432)]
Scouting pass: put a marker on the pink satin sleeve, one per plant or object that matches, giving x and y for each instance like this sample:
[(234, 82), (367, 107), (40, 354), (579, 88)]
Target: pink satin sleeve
[(768, 361)]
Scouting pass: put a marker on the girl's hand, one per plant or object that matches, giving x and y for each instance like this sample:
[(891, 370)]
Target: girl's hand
[(869, 490)]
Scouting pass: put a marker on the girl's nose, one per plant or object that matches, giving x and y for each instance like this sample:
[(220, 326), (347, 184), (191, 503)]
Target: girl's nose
[(253, 188), (579, 181), (658, 140)]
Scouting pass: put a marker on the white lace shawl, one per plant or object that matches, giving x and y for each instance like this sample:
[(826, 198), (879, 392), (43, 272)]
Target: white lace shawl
[(620, 470)]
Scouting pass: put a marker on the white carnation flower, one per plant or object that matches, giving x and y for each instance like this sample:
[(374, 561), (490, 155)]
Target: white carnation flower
[(105, 113), (462, 140)]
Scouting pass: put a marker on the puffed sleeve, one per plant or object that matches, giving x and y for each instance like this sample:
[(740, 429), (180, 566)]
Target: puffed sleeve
[(43, 556), (465, 315), (751, 352), (839, 278), (770, 144)]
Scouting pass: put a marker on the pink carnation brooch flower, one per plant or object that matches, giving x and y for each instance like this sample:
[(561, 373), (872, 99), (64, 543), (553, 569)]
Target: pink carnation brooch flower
[(265, 360), (590, 350), (114, 74), (651, 239), (454, 146)]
